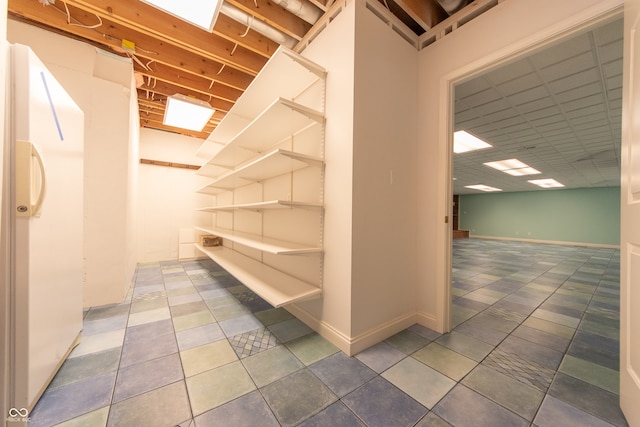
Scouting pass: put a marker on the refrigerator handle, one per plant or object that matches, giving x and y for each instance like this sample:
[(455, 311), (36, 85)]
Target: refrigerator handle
[(25, 180)]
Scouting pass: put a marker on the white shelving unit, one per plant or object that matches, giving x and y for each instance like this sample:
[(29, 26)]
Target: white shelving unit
[(266, 164)]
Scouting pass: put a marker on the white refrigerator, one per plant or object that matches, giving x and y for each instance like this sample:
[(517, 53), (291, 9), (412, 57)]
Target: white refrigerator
[(42, 219)]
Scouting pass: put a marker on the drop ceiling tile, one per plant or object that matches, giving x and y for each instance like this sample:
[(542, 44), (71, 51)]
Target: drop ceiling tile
[(560, 51), (510, 71), (580, 92), (482, 97), (536, 105), (528, 96), (579, 104), (468, 88), (531, 80), (580, 78), (569, 65)]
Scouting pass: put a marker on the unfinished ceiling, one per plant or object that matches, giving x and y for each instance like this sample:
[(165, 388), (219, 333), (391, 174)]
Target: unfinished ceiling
[(557, 110), (171, 56)]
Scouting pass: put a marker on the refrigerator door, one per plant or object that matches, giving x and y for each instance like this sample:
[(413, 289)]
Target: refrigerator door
[(47, 258)]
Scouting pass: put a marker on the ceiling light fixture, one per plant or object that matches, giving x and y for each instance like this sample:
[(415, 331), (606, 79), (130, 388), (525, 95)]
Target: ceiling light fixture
[(464, 142), (546, 183), (187, 113), (482, 187), (513, 167), (201, 13)]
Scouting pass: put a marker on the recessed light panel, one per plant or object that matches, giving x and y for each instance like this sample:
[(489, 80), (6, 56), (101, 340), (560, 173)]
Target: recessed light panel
[(201, 13), (483, 187), (464, 142), (546, 183), (187, 113), (513, 167)]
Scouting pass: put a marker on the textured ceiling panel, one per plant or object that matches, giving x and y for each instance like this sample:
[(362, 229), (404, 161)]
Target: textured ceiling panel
[(557, 110)]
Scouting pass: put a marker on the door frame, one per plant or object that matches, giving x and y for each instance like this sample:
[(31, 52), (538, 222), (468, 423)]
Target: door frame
[(581, 22)]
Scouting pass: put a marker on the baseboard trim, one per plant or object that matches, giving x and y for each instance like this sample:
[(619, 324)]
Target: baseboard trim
[(548, 242), (354, 345)]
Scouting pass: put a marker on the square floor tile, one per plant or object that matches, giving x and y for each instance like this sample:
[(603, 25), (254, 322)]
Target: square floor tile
[(446, 361), (297, 397), (248, 410), (146, 376), (215, 387), (407, 341), (419, 381), (289, 330), (380, 357), (464, 407), (271, 365), (83, 367), (240, 325), (335, 415), (200, 335), (253, 342), (168, 405), (341, 373), (311, 348), (380, 404), (554, 412), (514, 395), (465, 345), (205, 357), (72, 400)]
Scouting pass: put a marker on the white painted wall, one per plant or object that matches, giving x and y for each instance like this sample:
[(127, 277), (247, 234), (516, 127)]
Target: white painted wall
[(102, 85), (508, 29), (384, 181), (167, 200), (371, 131)]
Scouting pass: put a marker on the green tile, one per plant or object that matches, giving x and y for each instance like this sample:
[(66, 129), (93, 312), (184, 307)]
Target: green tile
[(466, 345), (446, 361), (192, 320), (600, 329), (148, 316), (97, 418), (550, 327), (271, 365), (90, 365), (591, 373), (229, 311), (419, 381), (274, 315), (514, 395), (146, 305), (205, 357), (311, 348), (213, 388)]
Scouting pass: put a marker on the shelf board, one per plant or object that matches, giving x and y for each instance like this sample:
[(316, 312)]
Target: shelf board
[(258, 206), (274, 286), (272, 164), (281, 119), (266, 244)]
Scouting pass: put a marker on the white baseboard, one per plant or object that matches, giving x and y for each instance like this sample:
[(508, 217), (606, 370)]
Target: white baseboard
[(548, 242)]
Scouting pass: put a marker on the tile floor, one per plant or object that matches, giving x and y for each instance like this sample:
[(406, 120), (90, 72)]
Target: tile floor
[(535, 343)]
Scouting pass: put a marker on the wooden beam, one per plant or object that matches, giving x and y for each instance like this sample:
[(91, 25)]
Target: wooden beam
[(169, 164), (425, 13)]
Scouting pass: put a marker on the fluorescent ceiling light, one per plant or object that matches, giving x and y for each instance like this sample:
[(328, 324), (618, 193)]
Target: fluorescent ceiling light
[(513, 167), (187, 113), (201, 13), (546, 183), (482, 187), (464, 142)]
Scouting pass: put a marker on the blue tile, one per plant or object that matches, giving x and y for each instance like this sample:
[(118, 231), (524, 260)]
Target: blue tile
[(380, 404)]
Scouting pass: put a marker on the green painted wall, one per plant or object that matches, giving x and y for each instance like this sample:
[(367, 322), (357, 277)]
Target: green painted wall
[(583, 215)]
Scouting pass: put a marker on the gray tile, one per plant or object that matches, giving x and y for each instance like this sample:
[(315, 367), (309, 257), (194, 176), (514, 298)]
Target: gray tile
[(380, 404), (147, 348), (514, 395), (407, 341), (380, 357), (239, 325), (533, 352), (168, 406), (297, 397), (335, 415), (341, 373), (72, 400), (464, 407), (248, 410), (289, 330), (271, 365), (432, 420), (146, 376), (200, 335), (554, 412), (83, 367), (465, 345)]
